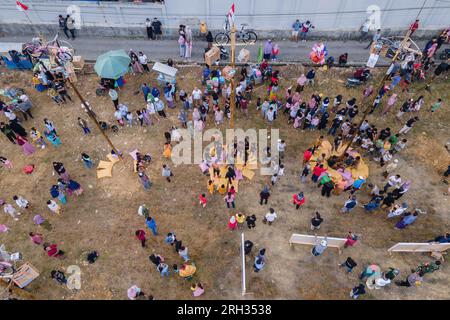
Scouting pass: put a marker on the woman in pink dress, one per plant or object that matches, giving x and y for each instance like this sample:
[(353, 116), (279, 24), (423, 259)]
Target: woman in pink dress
[(27, 148), (391, 101)]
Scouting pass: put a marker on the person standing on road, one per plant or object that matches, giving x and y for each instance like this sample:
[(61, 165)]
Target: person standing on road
[(70, 23), (364, 30), (149, 28), (295, 29), (305, 29), (188, 38), (157, 28), (267, 50), (375, 38), (63, 25)]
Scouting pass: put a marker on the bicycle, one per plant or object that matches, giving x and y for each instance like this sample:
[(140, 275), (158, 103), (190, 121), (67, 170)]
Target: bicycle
[(247, 35), (60, 48)]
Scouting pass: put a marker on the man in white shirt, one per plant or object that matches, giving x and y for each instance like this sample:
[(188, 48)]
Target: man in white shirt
[(197, 96), (21, 202), (393, 181), (364, 30), (143, 60), (281, 148), (270, 217)]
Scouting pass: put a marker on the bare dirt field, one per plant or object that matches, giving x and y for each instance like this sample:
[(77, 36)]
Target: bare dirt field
[(105, 217)]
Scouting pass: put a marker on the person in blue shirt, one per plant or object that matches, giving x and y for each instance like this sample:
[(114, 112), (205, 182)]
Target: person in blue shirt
[(206, 74), (155, 92), (151, 224), (145, 90), (357, 184), (442, 239), (295, 29)]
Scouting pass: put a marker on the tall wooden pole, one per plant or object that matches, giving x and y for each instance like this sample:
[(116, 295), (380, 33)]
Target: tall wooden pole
[(93, 117), (232, 82)]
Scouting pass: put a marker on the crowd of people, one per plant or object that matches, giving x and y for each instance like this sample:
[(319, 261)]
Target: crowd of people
[(334, 116)]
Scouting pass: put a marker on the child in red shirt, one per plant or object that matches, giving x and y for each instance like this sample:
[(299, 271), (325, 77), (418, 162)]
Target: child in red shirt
[(203, 200)]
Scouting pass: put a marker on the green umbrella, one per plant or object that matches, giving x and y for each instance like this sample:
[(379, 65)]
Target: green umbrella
[(112, 64)]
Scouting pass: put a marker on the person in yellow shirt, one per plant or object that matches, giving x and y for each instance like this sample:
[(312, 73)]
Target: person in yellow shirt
[(167, 153), (211, 187), (222, 189), (240, 218), (186, 270)]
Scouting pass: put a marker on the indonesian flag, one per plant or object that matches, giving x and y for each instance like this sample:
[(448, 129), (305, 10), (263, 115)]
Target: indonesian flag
[(20, 6), (231, 15)]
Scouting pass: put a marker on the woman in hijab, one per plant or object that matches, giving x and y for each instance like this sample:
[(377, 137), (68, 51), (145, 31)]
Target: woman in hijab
[(267, 50), (135, 65), (188, 36), (232, 223)]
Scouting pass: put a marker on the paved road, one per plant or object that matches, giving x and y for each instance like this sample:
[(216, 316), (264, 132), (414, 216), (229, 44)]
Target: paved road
[(161, 50)]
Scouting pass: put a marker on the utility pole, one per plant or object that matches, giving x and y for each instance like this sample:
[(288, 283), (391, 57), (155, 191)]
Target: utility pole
[(93, 117), (232, 81)]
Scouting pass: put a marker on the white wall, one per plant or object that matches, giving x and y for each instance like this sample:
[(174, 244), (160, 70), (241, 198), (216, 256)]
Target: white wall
[(326, 15)]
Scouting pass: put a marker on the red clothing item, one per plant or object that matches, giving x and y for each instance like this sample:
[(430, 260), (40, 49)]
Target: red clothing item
[(317, 171), (52, 250), (414, 26), (307, 155), (232, 191), (298, 201), (203, 200), (350, 241), (140, 235)]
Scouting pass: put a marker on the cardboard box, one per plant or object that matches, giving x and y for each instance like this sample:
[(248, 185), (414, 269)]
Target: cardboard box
[(78, 62), (228, 72), (244, 55), (212, 55)]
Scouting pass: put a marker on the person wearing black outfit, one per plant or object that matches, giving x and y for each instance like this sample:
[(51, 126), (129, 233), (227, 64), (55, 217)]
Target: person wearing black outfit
[(149, 28), (327, 188), (248, 245), (156, 24), (63, 25), (349, 264), (209, 39), (264, 196), (230, 175), (17, 128), (8, 132), (251, 221)]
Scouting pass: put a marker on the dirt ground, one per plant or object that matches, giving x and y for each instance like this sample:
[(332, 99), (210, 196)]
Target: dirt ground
[(105, 217)]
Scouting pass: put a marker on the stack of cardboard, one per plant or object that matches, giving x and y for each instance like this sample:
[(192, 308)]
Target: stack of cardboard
[(212, 55)]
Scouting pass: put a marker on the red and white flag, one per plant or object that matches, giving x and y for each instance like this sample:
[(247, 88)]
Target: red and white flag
[(20, 6), (231, 15)]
